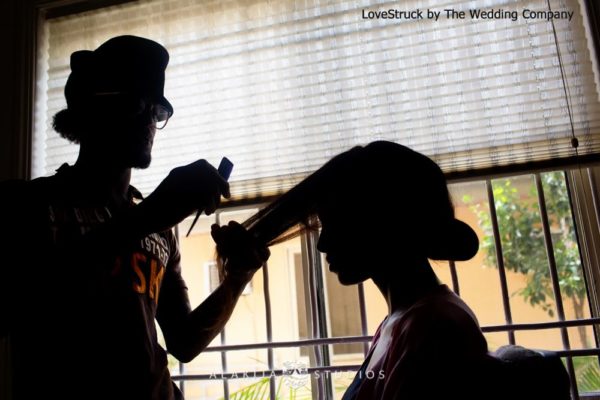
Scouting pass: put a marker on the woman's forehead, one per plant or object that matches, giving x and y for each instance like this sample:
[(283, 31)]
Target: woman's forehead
[(336, 207)]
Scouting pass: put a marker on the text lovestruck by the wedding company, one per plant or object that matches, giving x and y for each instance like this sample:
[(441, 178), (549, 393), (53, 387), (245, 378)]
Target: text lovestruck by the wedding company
[(474, 14)]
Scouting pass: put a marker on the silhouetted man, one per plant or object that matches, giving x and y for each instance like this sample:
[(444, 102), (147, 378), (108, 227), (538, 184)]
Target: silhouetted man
[(88, 265)]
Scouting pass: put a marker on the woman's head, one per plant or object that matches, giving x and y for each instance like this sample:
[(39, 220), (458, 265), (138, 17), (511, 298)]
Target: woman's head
[(376, 203)]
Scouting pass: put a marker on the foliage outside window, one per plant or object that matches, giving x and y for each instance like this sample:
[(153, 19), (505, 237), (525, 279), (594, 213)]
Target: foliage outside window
[(524, 252)]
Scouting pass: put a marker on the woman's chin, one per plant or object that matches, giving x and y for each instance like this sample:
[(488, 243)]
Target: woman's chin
[(347, 279)]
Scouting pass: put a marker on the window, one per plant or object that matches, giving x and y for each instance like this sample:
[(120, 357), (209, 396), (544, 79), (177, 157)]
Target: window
[(517, 302), (280, 87), (291, 83), (529, 238)]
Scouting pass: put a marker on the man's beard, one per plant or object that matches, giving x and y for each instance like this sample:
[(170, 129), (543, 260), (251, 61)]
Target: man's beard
[(138, 153), (141, 161), (130, 157)]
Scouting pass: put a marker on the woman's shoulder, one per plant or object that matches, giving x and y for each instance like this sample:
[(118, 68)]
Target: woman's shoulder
[(440, 303), (440, 316)]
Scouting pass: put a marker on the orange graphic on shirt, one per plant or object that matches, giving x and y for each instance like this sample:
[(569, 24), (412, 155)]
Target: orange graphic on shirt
[(157, 271)]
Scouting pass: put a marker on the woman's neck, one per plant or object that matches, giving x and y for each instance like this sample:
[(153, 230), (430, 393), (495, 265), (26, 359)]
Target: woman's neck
[(403, 284)]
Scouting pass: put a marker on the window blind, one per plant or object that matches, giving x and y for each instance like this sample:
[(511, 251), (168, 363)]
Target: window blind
[(280, 87)]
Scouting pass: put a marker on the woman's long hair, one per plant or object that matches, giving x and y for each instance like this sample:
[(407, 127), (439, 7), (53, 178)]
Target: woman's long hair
[(290, 214)]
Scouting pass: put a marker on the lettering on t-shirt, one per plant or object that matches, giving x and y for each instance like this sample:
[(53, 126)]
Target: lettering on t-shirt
[(145, 266)]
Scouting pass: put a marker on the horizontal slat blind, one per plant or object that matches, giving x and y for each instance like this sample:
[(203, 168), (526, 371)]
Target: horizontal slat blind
[(281, 86)]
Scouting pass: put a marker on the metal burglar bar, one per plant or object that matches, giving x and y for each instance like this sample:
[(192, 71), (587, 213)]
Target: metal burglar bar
[(224, 365), (586, 256), (316, 356), (583, 202), (182, 372), (355, 339), (500, 259), (588, 214), (181, 365), (454, 275), (363, 315), (318, 308), (359, 339), (267, 296), (555, 282), (223, 337), (593, 186), (340, 368), (542, 325)]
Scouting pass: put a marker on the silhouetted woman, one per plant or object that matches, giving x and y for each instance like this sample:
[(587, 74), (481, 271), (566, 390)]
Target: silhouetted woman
[(385, 211)]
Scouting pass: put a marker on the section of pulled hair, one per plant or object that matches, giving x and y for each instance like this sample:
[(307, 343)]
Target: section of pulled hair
[(294, 212)]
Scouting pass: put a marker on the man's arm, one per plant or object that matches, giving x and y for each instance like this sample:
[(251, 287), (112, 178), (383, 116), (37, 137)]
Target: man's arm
[(188, 335), (187, 332), (186, 189)]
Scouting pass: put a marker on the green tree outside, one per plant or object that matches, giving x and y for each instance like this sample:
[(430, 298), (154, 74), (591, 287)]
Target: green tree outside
[(522, 240)]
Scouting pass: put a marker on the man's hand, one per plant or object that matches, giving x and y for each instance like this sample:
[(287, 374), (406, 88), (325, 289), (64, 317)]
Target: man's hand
[(241, 253), (186, 189)]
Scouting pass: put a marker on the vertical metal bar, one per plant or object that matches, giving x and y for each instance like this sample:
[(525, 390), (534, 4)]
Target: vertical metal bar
[(318, 310), (591, 293), (584, 207), (555, 282), (314, 353), (500, 259), (549, 248), (579, 203), (454, 274), (363, 315), (223, 338), (181, 382), (224, 366), (594, 190), (270, 363)]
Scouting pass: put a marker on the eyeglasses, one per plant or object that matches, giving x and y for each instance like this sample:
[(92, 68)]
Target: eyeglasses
[(129, 105)]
